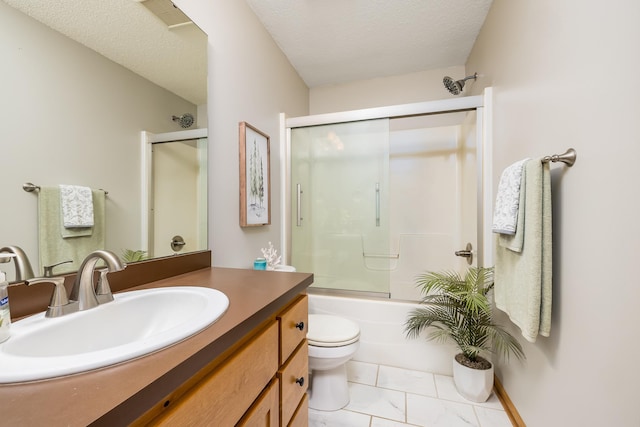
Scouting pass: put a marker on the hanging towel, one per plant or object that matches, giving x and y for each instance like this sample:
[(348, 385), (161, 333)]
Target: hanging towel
[(505, 213), (523, 279), (76, 203), (53, 248)]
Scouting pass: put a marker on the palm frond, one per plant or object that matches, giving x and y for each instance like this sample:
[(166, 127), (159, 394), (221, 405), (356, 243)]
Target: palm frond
[(130, 255)]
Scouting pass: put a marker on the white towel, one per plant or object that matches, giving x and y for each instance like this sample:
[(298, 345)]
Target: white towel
[(505, 212), (523, 279), (76, 203), (514, 242)]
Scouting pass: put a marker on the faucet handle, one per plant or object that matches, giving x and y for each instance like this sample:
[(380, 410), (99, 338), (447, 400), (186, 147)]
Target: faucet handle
[(48, 269), (103, 290), (59, 304), (6, 257)]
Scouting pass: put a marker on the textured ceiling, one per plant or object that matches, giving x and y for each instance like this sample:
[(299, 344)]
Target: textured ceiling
[(127, 33), (335, 41), (327, 41)]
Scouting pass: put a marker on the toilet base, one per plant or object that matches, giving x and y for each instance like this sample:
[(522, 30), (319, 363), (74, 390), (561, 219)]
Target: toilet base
[(329, 390)]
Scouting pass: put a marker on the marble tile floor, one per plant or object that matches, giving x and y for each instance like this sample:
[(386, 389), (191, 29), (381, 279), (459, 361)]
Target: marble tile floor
[(384, 396)]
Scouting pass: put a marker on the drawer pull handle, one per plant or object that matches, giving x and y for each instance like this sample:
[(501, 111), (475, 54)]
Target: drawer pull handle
[(300, 325), (300, 381)]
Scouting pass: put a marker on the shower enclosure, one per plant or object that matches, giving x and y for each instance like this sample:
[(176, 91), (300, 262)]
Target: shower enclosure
[(378, 196)]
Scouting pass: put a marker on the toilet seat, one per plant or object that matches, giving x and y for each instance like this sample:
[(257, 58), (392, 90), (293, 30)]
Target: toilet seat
[(331, 331)]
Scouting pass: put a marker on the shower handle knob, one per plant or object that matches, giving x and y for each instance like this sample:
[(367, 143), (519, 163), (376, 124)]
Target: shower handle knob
[(177, 243), (466, 253), (300, 381), (300, 325)]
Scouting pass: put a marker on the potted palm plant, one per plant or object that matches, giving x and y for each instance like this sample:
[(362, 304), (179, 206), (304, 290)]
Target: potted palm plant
[(457, 309)]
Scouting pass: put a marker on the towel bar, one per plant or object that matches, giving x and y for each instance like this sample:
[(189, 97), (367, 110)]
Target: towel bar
[(30, 188), (390, 256), (568, 157)]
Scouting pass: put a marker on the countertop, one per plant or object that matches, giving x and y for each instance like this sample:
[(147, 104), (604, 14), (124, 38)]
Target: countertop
[(119, 394)]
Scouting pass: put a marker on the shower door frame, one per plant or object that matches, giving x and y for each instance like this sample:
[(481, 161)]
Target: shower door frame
[(147, 139), (481, 104)]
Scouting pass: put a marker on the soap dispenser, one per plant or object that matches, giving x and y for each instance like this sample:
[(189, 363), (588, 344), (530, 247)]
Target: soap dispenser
[(5, 314)]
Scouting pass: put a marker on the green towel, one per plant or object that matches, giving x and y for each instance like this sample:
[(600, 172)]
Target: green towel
[(523, 279), (57, 244)]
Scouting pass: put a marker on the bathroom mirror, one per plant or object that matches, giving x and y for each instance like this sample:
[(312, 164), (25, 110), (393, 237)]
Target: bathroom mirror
[(74, 114)]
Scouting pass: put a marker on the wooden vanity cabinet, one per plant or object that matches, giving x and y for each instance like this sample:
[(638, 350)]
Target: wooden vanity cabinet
[(263, 383)]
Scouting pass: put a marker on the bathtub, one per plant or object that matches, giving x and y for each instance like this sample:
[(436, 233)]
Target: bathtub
[(382, 337)]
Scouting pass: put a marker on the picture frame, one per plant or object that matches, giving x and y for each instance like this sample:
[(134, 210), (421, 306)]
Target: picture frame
[(255, 176)]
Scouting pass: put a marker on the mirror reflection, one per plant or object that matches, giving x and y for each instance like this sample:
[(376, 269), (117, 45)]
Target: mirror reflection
[(73, 116), (177, 220)]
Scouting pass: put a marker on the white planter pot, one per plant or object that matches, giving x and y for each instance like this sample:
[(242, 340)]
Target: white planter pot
[(473, 384)]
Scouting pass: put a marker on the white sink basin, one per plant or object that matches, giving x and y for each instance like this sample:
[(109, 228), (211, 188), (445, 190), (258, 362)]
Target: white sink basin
[(134, 324)]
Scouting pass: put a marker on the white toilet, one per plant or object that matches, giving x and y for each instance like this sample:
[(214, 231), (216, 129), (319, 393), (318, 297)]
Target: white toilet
[(332, 342)]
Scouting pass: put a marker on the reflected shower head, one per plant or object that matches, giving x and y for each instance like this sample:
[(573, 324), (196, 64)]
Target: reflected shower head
[(455, 87), (185, 120)]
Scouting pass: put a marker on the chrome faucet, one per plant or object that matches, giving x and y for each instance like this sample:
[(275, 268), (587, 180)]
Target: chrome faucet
[(84, 289), (23, 266)]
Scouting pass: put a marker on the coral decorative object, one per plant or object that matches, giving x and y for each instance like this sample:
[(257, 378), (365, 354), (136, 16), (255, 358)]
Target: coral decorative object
[(272, 257)]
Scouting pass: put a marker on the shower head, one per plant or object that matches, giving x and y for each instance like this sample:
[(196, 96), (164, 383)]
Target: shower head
[(455, 87), (185, 120)]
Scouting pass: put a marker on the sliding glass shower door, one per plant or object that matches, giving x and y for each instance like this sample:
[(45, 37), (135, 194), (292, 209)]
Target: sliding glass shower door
[(377, 202), (340, 203)]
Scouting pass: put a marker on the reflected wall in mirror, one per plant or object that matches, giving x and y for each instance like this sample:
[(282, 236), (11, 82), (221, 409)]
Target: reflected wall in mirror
[(72, 116)]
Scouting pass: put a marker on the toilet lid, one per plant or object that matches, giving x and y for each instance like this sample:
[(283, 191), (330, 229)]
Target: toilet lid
[(331, 331)]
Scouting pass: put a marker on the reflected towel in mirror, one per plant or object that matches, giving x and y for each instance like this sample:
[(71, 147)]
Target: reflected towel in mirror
[(54, 240), (76, 203)]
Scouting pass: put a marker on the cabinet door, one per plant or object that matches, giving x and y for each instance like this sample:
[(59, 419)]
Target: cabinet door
[(293, 382), (301, 416), (222, 397), (264, 412)]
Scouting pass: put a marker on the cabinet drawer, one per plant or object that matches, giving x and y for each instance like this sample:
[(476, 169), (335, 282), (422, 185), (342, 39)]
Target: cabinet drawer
[(293, 327), (293, 382), (223, 396), (301, 416)]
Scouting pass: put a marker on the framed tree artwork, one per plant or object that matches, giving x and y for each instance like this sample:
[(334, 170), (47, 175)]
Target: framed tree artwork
[(255, 177)]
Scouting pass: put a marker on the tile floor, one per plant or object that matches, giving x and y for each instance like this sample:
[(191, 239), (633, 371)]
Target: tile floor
[(383, 396)]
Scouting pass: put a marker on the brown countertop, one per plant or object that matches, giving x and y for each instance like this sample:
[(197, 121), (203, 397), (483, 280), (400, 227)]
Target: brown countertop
[(119, 394)]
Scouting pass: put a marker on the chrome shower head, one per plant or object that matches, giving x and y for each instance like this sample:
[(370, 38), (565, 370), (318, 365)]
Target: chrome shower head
[(185, 120), (455, 87)]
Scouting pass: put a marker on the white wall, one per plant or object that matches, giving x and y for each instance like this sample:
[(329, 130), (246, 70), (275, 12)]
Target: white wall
[(402, 89), (70, 116), (249, 80), (564, 75)]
